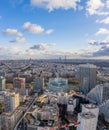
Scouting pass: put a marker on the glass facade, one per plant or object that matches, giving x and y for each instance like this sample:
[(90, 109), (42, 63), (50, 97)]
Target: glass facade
[(58, 85)]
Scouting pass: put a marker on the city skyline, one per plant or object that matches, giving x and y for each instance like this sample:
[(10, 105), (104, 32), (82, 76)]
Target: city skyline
[(45, 29)]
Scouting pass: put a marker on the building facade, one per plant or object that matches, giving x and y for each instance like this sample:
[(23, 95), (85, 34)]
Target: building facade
[(58, 85), (100, 93), (2, 83), (19, 85), (8, 120), (38, 84), (87, 77), (87, 121), (11, 101), (91, 108)]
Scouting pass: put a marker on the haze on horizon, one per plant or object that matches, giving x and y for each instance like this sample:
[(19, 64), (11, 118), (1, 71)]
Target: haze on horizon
[(49, 29)]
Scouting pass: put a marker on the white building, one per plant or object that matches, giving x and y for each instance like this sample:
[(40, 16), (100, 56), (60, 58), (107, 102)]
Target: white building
[(87, 121), (90, 108), (2, 83), (71, 104), (88, 118)]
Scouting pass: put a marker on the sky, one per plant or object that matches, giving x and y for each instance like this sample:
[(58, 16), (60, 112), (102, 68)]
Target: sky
[(53, 29)]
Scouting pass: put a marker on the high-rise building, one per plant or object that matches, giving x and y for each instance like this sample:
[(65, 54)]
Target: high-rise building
[(9, 119), (91, 108), (38, 84), (19, 85), (88, 117), (58, 85), (11, 101), (87, 77), (100, 93), (87, 121), (2, 83)]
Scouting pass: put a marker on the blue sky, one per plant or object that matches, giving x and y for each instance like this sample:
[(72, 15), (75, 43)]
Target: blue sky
[(54, 28)]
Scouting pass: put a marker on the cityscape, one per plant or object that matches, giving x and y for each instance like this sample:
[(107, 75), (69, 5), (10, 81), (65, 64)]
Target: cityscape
[(54, 94), (54, 65)]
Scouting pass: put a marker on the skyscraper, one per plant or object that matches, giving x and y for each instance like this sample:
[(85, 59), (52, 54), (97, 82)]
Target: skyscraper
[(88, 117), (11, 101), (87, 121), (91, 108), (38, 84), (87, 77), (100, 93), (2, 83), (19, 85)]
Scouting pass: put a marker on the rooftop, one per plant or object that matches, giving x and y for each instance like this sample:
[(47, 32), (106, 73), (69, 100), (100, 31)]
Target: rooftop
[(87, 115)]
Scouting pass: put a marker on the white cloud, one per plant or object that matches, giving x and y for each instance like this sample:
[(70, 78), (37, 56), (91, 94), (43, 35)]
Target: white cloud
[(107, 3), (106, 39), (13, 51), (80, 7), (93, 42), (93, 6), (105, 21), (103, 51), (12, 32), (33, 28), (55, 4), (24, 51), (102, 31), (43, 46), (97, 7), (49, 31), (19, 39)]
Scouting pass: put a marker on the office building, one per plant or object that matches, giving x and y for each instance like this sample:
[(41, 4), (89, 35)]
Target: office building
[(91, 108), (100, 93), (71, 104), (87, 121), (11, 101), (43, 118), (2, 83), (87, 77), (58, 85), (9, 119), (38, 84), (19, 85), (104, 110)]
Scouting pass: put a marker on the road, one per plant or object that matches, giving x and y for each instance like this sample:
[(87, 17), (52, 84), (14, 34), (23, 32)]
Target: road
[(30, 105)]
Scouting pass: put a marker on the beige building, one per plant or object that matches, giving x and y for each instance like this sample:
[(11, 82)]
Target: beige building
[(9, 119), (11, 101)]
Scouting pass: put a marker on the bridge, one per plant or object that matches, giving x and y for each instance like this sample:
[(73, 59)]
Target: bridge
[(19, 121)]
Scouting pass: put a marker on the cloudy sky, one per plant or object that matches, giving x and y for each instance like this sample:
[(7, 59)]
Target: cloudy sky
[(54, 28)]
